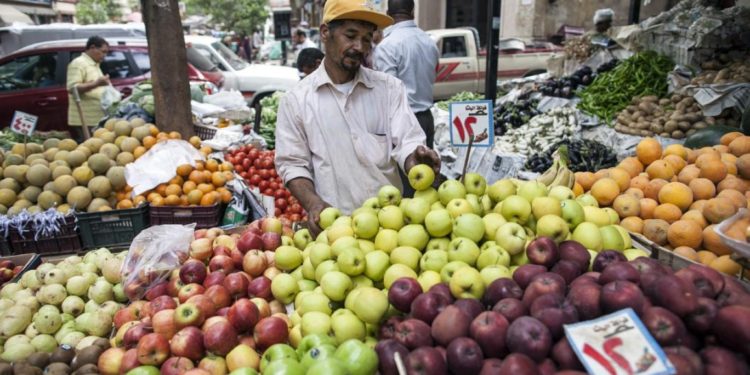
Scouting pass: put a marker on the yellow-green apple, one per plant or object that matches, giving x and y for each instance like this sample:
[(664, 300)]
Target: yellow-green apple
[(492, 221), (389, 195), (464, 250), (307, 270), (315, 322), (302, 237), (438, 223), (596, 215), (421, 177), (288, 258), (588, 235), (429, 194), (511, 237), (475, 203), (532, 189), (519, 259), (407, 256), (343, 220), (572, 212), (360, 281), (372, 203), (470, 226), (438, 244), (386, 240), (449, 190), (625, 236), (587, 200), (501, 189), (516, 209), (357, 357), (376, 262), (307, 285), (404, 203), (277, 352), (366, 245), (466, 282), (458, 206), (351, 261), (433, 260), (341, 244), (561, 193), (323, 268), (391, 217), (336, 285), (611, 238), (614, 217), (451, 267), (314, 302), (413, 235), (242, 356), (494, 272), (494, 255), (365, 225), (486, 202), (336, 232), (416, 210), (427, 279), (487, 244), (395, 272), (635, 253), (474, 183), (541, 206), (437, 206), (552, 226), (347, 326), (328, 216), (284, 288)]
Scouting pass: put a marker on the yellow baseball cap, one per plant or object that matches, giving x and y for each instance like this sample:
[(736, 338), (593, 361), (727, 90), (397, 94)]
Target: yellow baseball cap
[(360, 10)]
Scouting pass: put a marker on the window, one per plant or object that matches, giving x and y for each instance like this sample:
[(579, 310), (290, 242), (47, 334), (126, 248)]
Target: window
[(142, 61), (28, 72), (235, 61), (454, 46), (116, 64), (206, 52)]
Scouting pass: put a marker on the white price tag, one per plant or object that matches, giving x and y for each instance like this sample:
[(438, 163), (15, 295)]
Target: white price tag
[(472, 120), (269, 204), (23, 123), (618, 344)]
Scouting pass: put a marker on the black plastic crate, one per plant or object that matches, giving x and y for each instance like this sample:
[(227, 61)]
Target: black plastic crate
[(63, 242), (112, 229), (202, 216)]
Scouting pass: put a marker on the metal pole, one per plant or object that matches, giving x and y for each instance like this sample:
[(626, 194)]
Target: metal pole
[(493, 48), (635, 12)]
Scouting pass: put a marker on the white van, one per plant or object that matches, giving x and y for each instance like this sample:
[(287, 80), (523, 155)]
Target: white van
[(15, 37)]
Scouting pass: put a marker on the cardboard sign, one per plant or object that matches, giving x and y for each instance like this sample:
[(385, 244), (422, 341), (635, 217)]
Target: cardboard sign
[(472, 120), (23, 123), (617, 344)]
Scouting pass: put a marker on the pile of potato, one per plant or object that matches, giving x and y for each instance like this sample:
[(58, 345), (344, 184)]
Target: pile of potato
[(717, 72)]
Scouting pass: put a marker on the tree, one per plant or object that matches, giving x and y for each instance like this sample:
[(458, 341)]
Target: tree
[(97, 11), (240, 16)]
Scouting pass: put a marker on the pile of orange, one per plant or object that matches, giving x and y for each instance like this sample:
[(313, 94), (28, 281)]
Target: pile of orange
[(676, 196)]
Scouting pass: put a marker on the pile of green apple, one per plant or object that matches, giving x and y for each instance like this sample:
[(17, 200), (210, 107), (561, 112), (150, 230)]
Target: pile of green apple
[(72, 302), (320, 354), (467, 234)]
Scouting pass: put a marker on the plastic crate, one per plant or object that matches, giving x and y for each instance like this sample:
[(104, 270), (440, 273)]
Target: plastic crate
[(202, 216), (204, 132), (112, 229), (27, 261), (63, 242)]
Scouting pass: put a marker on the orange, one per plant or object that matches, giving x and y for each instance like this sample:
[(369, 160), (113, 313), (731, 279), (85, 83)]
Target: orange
[(199, 166), (173, 189), (648, 206), (685, 233), (189, 186), (677, 150), (621, 176), (712, 241), (631, 165), (632, 224), (687, 252), (726, 156), (149, 141), (695, 216), (172, 200), (627, 205), (731, 168), (577, 189), (124, 204), (208, 199), (225, 194), (692, 155), (725, 264), (120, 195), (706, 156), (740, 146), (153, 129), (702, 188), (207, 175), (743, 166), (174, 135), (732, 183), (689, 173), (656, 230), (652, 190), (218, 179), (714, 170), (722, 149), (698, 205), (197, 177), (139, 151), (660, 169), (598, 175), (726, 139), (205, 150), (184, 170), (212, 165), (184, 200), (639, 182), (738, 199), (161, 189), (676, 162), (226, 167), (718, 209), (158, 201), (152, 196), (638, 193), (585, 179), (139, 199), (162, 136), (648, 151), (177, 180), (228, 175), (605, 191), (195, 141), (706, 257), (667, 212), (205, 188), (676, 193)]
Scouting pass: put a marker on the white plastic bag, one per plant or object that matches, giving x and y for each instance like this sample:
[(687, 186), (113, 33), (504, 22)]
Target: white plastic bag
[(110, 97), (160, 164), (226, 99)]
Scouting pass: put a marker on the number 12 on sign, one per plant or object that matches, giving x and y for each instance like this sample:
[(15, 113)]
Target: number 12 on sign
[(471, 123)]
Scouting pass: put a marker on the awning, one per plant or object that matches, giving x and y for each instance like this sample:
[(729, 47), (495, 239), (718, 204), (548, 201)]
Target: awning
[(38, 11), (9, 15)]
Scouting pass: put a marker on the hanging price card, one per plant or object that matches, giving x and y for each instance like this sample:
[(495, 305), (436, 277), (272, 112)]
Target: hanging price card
[(472, 120)]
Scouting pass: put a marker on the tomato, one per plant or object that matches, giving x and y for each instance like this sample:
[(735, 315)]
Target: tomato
[(263, 185), (238, 168), (264, 174), (281, 204), (255, 180), (246, 164)]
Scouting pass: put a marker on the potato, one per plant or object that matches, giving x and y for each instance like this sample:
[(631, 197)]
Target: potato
[(670, 126), (700, 125), (666, 135), (692, 117), (688, 101), (656, 128), (690, 132), (683, 125), (663, 102), (650, 98), (676, 98)]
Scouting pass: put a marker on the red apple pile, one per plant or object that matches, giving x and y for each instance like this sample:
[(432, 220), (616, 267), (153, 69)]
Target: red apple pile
[(700, 317), (8, 270), (257, 168), (216, 312)]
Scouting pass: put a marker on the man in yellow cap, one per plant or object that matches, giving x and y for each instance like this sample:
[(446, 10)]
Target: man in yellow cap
[(345, 130)]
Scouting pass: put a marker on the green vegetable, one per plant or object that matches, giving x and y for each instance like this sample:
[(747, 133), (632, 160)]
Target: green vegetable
[(463, 96), (643, 74), (708, 137), (269, 109)]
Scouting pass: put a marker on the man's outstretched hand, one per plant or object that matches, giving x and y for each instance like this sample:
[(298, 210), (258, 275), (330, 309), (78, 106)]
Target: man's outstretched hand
[(423, 155)]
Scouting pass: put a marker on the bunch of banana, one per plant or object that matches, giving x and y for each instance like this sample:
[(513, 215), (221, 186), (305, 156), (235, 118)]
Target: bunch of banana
[(558, 174)]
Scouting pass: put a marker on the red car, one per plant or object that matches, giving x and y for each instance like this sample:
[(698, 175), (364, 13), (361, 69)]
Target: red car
[(33, 79)]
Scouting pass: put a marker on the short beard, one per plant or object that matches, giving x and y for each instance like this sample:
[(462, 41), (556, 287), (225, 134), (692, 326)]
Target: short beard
[(352, 68)]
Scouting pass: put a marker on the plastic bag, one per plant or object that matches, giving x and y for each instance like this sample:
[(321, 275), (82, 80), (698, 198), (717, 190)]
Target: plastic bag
[(159, 164), (238, 209), (153, 254), (226, 99), (110, 97)]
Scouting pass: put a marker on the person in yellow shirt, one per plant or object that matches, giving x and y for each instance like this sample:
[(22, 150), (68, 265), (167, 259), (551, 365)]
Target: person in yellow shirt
[(85, 74)]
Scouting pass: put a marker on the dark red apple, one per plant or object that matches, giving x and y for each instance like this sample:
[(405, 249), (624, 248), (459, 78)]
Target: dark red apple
[(619, 271), (219, 296), (565, 357), (428, 305), (568, 269), (733, 293), (701, 319), (442, 289), (190, 290), (672, 293), (605, 258), (732, 328), (413, 333), (236, 284), (134, 334), (554, 311), (510, 308), (666, 327), (529, 336), (243, 315), (547, 367), (269, 331), (386, 350), (471, 307), (543, 283), (156, 290), (221, 263), (237, 257), (153, 349), (585, 298), (260, 287), (575, 252), (388, 328), (518, 364), (491, 366), (204, 303), (464, 356), (220, 338), (214, 278), (425, 361), (188, 342), (249, 241), (271, 241), (621, 294), (720, 361), (500, 289), (523, 274), (450, 324), (176, 366), (543, 251), (489, 329), (193, 271), (403, 292), (715, 278), (695, 364)]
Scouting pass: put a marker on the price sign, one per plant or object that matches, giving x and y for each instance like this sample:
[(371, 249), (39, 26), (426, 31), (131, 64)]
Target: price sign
[(472, 120), (23, 123), (617, 344)]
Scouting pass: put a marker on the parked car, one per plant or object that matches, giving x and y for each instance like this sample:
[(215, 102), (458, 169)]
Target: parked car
[(33, 79), (462, 64), (15, 37)]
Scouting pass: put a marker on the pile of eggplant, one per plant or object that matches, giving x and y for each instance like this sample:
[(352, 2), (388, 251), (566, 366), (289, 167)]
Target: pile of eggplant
[(511, 115), (566, 87)]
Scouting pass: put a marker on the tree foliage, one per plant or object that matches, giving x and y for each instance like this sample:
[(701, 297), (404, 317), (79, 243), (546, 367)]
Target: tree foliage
[(97, 11), (240, 16)]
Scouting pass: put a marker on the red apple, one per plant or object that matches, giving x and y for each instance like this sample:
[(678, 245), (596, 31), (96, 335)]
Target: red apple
[(271, 272), (190, 290), (260, 287), (159, 304), (254, 263), (221, 250), (543, 251), (135, 290), (214, 365), (163, 323), (271, 240), (201, 248), (174, 285), (269, 331), (263, 307), (489, 330), (219, 295), (249, 241), (214, 278), (123, 316), (204, 303), (221, 263), (188, 342), (277, 308), (193, 271), (243, 315), (129, 361), (156, 290), (153, 349), (236, 256), (110, 361), (176, 366), (210, 321), (134, 334), (236, 284), (220, 338), (403, 292)]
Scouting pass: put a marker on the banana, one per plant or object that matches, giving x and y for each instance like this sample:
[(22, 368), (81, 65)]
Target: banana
[(550, 174), (564, 178)]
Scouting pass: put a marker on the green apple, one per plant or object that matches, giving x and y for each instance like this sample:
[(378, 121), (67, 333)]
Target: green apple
[(357, 357), (596, 215), (486, 202), (498, 209), (407, 256), (297, 274), (144, 370), (429, 194), (366, 245), (307, 269), (519, 259), (470, 226), (318, 354), (370, 305), (322, 237), (413, 235), (628, 242), (328, 366), (287, 258), (552, 226), (320, 252), (476, 205), (532, 189), (450, 268), (328, 216), (474, 183), (404, 203), (494, 272), (360, 281), (325, 267), (347, 326), (416, 210), (463, 249), (386, 240), (501, 189), (492, 221), (302, 237), (541, 206), (342, 220), (635, 253), (312, 341), (611, 238), (286, 366), (561, 193), (365, 225), (276, 352), (421, 177), (306, 285), (588, 235), (438, 244), (466, 282), (438, 223), (395, 272), (372, 203), (336, 285), (314, 302), (315, 322), (363, 210), (351, 261), (516, 209), (614, 217), (494, 255), (336, 232), (437, 206), (433, 260), (457, 207), (572, 213), (587, 200), (376, 262), (428, 278), (449, 190), (391, 217), (389, 195), (284, 288), (342, 244), (511, 237)]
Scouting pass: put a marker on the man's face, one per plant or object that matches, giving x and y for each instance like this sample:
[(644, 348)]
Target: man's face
[(98, 53), (348, 44)]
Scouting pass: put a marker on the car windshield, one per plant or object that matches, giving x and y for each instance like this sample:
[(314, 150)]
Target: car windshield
[(233, 60), (200, 61)]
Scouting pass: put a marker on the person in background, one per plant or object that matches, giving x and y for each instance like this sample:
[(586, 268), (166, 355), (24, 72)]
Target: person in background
[(85, 74), (301, 41), (257, 43), (409, 54), (602, 34), (344, 131), (308, 60)]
